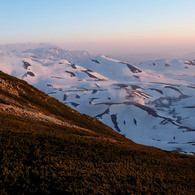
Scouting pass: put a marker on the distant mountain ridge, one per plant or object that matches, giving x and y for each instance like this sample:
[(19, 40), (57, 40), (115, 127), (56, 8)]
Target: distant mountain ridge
[(53, 53)]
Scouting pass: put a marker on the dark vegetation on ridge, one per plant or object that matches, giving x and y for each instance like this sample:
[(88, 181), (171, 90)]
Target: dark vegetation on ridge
[(85, 157)]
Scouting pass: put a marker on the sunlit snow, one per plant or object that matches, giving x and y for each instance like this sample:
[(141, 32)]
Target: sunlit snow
[(152, 103)]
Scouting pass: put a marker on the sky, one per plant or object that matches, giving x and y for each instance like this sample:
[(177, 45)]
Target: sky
[(117, 27)]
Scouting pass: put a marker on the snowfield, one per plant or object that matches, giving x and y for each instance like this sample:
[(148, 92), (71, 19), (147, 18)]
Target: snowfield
[(152, 103)]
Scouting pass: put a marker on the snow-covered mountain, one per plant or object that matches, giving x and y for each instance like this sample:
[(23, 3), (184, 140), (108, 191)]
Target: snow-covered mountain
[(152, 103), (53, 53)]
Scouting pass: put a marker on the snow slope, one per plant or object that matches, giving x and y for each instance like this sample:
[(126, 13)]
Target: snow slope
[(152, 103)]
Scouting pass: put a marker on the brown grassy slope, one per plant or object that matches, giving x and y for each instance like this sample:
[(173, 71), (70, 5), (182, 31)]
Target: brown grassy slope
[(20, 94), (45, 158)]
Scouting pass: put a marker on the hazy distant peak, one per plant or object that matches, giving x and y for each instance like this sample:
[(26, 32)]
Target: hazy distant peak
[(54, 52)]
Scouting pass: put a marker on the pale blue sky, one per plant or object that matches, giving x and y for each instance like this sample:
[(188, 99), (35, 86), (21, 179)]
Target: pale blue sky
[(100, 24)]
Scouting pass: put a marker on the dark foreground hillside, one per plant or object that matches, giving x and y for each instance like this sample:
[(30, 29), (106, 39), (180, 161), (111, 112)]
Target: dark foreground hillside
[(46, 148)]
